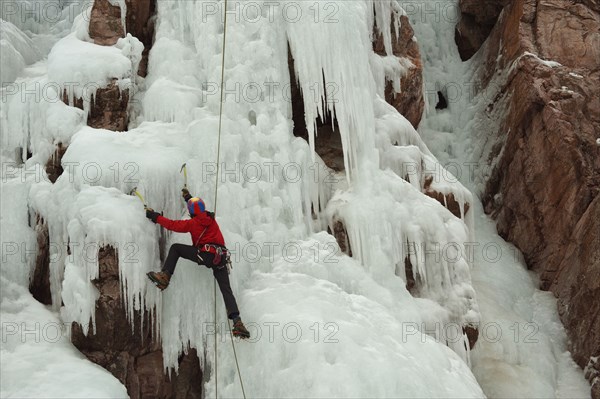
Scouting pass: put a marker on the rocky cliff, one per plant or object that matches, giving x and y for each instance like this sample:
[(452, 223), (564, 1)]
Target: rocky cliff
[(132, 354), (540, 67), (409, 102)]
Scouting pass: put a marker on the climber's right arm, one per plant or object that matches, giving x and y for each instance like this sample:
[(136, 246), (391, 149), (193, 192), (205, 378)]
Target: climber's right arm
[(178, 226)]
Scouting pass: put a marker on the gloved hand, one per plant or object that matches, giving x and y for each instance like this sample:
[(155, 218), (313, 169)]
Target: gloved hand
[(150, 214), (186, 194)]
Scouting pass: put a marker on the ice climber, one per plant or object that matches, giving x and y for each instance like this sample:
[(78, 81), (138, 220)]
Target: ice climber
[(208, 249)]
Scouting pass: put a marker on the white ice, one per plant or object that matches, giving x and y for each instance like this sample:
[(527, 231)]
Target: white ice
[(324, 324)]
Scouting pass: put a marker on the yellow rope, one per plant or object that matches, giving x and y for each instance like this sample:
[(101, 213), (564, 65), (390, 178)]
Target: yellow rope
[(215, 209)]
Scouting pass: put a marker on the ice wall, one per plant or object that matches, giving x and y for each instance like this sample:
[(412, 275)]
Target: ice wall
[(348, 312)]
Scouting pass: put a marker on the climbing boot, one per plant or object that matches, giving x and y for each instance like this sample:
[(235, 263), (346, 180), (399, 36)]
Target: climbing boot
[(160, 279), (239, 330)]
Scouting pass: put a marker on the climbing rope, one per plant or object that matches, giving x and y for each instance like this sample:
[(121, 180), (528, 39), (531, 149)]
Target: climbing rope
[(215, 210)]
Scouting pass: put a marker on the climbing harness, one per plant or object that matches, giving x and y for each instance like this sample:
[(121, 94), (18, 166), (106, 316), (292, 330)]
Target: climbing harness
[(220, 255)]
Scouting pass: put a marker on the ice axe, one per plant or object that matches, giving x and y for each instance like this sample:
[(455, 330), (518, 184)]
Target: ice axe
[(135, 192), (184, 190), (184, 170)]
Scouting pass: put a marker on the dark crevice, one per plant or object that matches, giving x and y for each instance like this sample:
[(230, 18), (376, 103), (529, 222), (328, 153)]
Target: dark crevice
[(328, 141), (472, 333), (341, 236), (54, 165), (39, 285), (106, 27), (477, 20), (442, 103), (140, 22), (19, 159), (410, 277)]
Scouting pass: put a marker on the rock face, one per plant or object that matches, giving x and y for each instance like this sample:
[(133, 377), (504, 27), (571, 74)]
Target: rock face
[(105, 26), (54, 166), (134, 357), (577, 284), (341, 236), (109, 109), (409, 102), (140, 21), (592, 373), (477, 20), (448, 201), (543, 190), (39, 285)]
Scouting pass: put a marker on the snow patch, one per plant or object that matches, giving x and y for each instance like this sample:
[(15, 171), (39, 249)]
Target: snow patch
[(551, 64), (38, 360), (80, 68)]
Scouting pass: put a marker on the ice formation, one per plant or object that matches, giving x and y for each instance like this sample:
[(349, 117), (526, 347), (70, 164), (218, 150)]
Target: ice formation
[(326, 324)]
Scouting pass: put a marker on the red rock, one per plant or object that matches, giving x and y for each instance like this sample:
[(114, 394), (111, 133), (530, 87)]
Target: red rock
[(472, 334), (409, 102), (109, 109), (447, 200), (105, 26), (544, 188), (577, 284), (134, 357), (341, 236), (592, 373), (140, 22), (476, 22)]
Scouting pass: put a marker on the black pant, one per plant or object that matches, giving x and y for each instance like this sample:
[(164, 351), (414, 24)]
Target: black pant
[(190, 252)]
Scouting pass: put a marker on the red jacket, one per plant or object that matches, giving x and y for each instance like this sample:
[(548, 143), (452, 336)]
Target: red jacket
[(203, 228)]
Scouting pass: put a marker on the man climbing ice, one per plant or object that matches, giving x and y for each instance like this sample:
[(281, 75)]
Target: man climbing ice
[(208, 250)]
